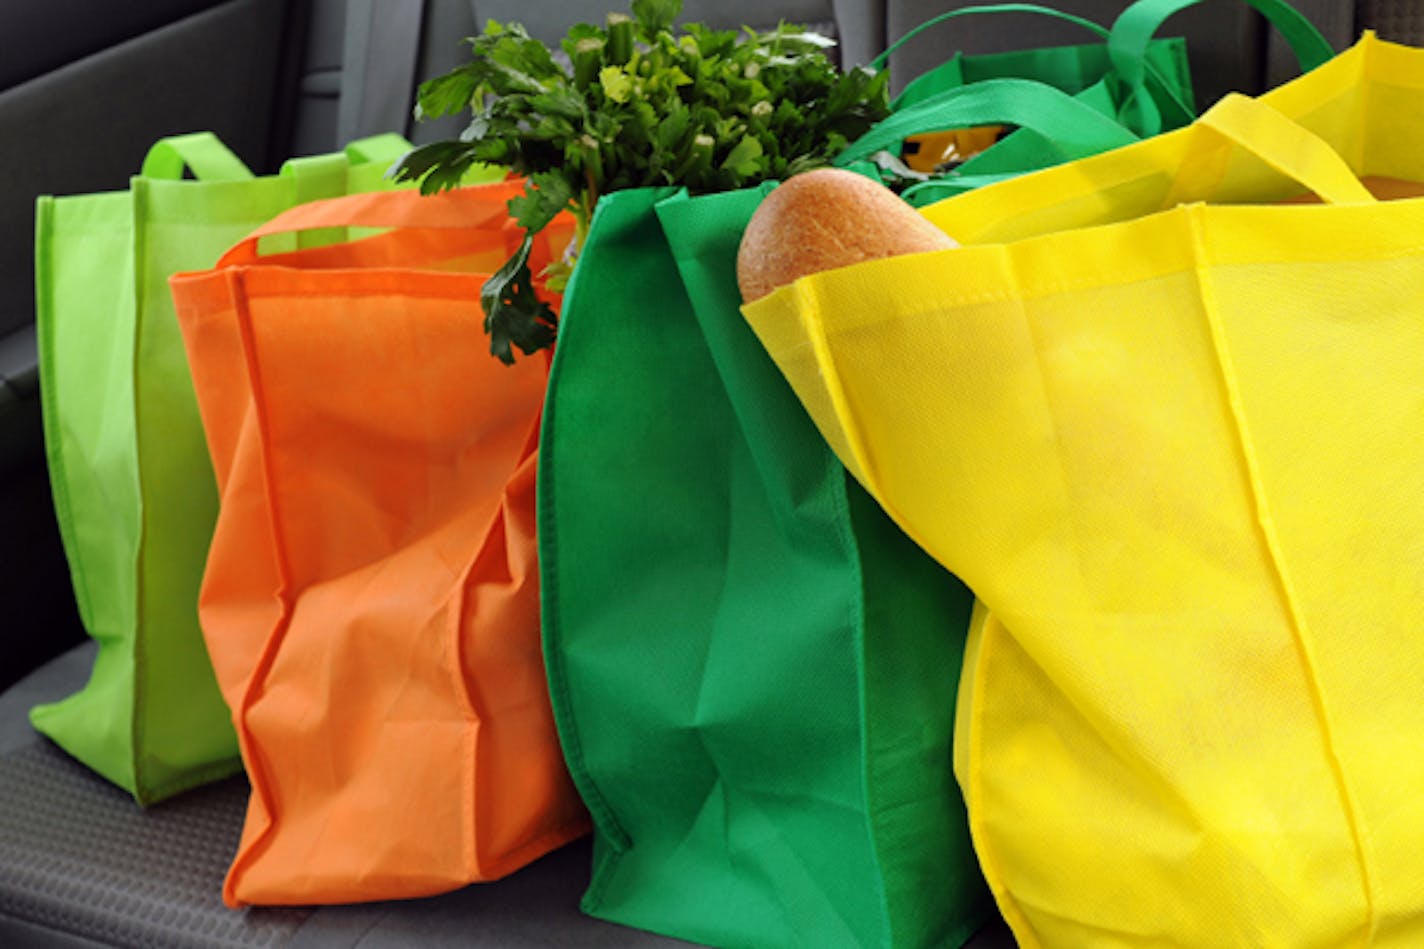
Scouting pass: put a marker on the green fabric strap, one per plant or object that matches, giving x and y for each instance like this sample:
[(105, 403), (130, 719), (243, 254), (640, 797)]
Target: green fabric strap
[(1032, 105), (937, 189), (384, 149), (950, 74), (317, 176), (1136, 26), (200, 152), (880, 61), (313, 178)]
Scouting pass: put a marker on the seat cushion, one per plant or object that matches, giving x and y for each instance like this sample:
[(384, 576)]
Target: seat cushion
[(80, 864)]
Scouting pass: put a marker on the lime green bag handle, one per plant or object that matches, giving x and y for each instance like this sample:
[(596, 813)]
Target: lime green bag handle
[(1023, 102), (324, 176), (384, 148), (317, 177), (202, 153), (1135, 27), (205, 155)]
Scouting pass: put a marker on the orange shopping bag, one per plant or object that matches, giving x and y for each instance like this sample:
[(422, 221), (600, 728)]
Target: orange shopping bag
[(371, 601)]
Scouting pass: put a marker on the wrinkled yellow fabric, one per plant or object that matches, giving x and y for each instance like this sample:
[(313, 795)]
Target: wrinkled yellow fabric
[(1171, 432)]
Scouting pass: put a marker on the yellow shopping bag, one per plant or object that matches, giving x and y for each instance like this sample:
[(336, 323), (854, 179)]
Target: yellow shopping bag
[(1171, 432)]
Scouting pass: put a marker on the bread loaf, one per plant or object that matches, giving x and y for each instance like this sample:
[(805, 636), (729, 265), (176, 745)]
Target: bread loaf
[(827, 218)]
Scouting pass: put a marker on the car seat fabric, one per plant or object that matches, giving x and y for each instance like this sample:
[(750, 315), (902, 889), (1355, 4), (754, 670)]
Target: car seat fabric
[(81, 866), (77, 857)]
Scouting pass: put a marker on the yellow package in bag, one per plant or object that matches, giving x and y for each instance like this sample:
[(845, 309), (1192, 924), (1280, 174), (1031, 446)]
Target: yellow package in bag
[(1168, 425)]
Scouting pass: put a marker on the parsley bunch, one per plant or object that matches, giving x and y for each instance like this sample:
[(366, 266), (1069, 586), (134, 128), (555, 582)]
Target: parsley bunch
[(632, 104)]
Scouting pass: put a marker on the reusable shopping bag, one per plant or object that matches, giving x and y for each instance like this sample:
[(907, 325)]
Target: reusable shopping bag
[(1137, 86), (751, 667), (1167, 430), (132, 485), (371, 600)]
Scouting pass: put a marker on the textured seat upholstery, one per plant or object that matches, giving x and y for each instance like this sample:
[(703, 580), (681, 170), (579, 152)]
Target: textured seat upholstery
[(80, 864)]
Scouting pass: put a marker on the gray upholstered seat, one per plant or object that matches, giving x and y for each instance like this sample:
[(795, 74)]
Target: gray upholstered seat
[(80, 864)]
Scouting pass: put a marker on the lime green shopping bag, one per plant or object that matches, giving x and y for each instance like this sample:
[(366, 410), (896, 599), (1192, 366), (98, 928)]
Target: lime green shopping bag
[(133, 487), (753, 670)]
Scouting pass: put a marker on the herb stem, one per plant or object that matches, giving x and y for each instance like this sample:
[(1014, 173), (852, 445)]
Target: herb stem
[(619, 48), (582, 217), (590, 194)]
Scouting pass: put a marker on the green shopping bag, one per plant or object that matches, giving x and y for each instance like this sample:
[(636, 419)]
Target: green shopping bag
[(752, 669), (1139, 85), (133, 487)]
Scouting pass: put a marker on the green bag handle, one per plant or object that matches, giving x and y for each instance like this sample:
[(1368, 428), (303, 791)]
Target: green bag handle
[(923, 193), (1143, 67), (202, 153), (1135, 27), (313, 178), (316, 177), (880, 61), (324, 176), (384, 148), (1023, 102)]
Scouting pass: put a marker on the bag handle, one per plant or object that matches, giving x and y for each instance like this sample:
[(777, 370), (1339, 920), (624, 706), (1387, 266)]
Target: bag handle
[(475, 207), (1146, 66), (1291, 149), (384, 148), (324, 176), (1134, 28), (879, 62), (202, 153), (922, 193), (316, 177), (1022, 102)]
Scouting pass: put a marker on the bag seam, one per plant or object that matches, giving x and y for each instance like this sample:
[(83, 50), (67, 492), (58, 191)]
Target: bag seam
[(1266, 525), (54, 457), (831, 376), (1009, 907), (247, 850), (850, 549), (606, 822), (140, 666)]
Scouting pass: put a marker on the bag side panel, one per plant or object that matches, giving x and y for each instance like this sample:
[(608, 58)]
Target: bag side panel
[(85, 297)]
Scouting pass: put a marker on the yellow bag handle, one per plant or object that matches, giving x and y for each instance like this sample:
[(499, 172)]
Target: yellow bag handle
[(1287, 147)]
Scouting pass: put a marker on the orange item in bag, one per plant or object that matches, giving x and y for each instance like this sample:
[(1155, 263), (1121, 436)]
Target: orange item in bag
[(931, 150), (371, 600)]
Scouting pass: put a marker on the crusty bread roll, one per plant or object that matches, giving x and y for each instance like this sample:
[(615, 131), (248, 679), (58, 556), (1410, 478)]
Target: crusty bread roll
[(827, 218)]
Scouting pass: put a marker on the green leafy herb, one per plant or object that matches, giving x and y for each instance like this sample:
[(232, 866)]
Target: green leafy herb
[(514, 314), (638, 103)]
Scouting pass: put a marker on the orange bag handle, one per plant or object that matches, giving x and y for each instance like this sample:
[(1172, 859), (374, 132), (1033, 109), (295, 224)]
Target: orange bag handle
[(471, 208)]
